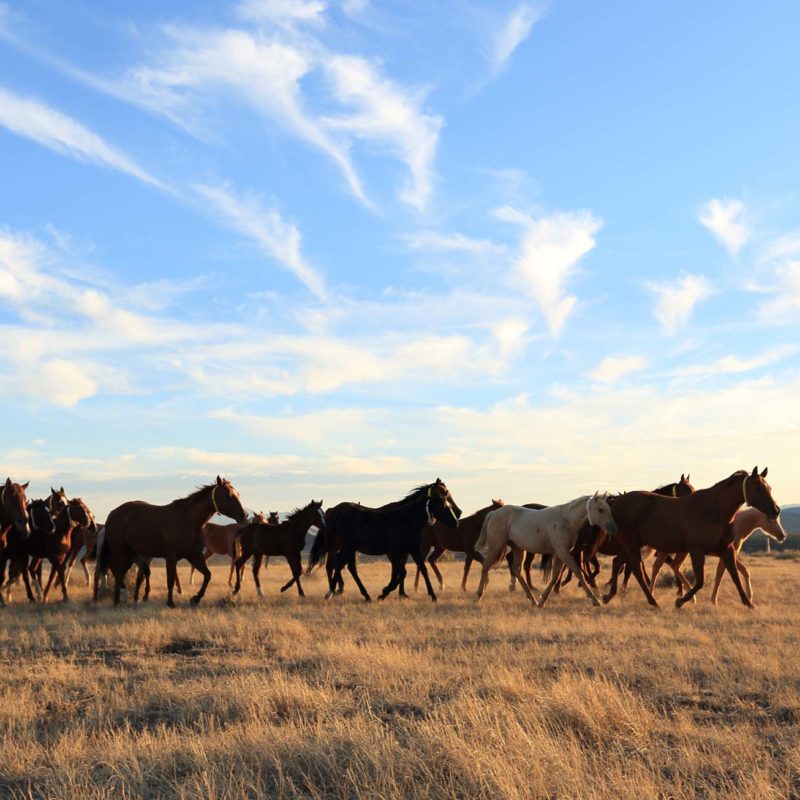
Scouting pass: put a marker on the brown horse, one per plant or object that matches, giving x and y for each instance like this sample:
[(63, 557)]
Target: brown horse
[(172, 532), (15, 530), (457, 540), (54, 546), (698, 524), (285, 539)]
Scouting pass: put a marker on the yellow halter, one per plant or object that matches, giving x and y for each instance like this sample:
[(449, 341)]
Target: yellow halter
[(3, 497), (213, 499), (744, 489), (674, 490)]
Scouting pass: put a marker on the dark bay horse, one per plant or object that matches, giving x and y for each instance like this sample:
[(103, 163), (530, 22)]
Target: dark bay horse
[(462, 539), (698, 524), (394, 530), (172, 532), (287, 539), (15, 529)]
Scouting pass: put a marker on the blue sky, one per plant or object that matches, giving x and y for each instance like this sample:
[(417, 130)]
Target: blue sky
[(338, 249)]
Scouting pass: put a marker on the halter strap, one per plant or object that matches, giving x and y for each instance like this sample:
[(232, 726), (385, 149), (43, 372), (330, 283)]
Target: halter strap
[(213, 499), (50, 502), (431, 518), (588, 514), (674, 490), (3, 497), (744, 489)]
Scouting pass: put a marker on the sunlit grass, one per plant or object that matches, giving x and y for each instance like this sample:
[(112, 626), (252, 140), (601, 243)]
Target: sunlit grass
[(306, 698)]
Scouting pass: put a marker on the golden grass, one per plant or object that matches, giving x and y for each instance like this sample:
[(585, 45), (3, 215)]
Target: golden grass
[(307, 698)]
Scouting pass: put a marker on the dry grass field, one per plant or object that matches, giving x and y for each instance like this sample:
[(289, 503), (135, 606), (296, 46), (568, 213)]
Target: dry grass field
[(307, 698)]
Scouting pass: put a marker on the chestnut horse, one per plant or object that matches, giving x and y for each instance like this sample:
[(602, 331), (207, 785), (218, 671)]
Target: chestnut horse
[(698, 524), (457, 540), (744, 523), (287, 539), (172, 532)]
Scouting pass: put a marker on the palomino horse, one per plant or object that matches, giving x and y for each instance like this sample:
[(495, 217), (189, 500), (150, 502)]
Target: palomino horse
[(172, 532), (457, 540), (287, 539), (394, 530), (698, 524), (553, 530), (744, 523), (15, 530)]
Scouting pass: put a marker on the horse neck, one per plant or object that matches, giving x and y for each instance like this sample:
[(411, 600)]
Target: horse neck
[(198, 506), (63, 524), (727, 497), (412, 508), (576, 510)]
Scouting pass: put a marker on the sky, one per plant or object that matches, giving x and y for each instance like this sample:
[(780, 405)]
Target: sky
[(339, 248)]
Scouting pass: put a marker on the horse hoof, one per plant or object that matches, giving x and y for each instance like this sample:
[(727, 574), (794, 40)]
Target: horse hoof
[(328, 595), (606, 599), (679, 602), (170, 604), (434, 599), (195, 601), (369, 599)]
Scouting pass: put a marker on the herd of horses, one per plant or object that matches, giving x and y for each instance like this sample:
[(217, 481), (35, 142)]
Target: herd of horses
[(674, 522)]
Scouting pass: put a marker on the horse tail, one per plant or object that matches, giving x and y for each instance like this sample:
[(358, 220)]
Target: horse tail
[(546, 566), (318, 549)]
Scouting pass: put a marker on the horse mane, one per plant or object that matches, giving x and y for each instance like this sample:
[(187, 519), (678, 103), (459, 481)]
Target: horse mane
[(198, 491), (419, 490), (295, 511), (739, 475)]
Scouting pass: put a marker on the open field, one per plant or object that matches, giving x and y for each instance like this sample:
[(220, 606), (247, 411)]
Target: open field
[(340, 699)]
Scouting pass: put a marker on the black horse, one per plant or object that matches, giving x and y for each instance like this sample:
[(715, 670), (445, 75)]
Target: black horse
[(393, 530)]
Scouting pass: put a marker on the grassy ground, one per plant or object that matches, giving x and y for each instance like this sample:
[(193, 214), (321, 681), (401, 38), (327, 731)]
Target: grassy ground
[(308, 698)]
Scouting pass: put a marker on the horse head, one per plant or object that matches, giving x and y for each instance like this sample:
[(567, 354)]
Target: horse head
[(41, 520), (273, 518), (14, 505), (758, 493), (441, 504), (497, 504), (78, 513), (599, 513), (57, 501), (226, 500), (683, 487)]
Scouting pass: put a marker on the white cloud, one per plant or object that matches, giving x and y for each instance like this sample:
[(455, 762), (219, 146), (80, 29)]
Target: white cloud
[(511, 33), (283, 12), (675, 301), (278, 238), (450, 242), (385, 113), (733, 365), (724, 218), (61, 382), (52, 129), (612, 368), (550, 251)]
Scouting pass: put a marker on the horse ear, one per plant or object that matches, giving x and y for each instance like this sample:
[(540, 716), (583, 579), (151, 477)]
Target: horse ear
[(219, 481), (595, 496), (8, 482), (687, 477), (754, 472), (764, 473), (682, 478), (62, 490), (52, 490), (25, 485)]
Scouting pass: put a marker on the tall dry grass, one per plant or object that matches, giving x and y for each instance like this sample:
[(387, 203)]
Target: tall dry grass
[(308, 698)]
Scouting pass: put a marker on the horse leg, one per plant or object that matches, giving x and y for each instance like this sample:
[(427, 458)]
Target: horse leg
[(567, 557), (729, 557), (239, 566), (57, 566), (616, 566), (296, 566), (31, 569), (512, 581), (172, 568), (419, 561), (191, 577), (675, 565), (351, 566), (333, 566), (698, 565), (528, 564), (516, 566), (717, 581), (467, 564), (142, 573), (230, 573), (256, 574), (635, 559), (746, 575), (26, 580), (658, 562), (396, 561), (556, 568), (200, 563)]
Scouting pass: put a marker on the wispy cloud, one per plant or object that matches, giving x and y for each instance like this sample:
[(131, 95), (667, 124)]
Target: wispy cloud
[(388, 115), (45, 125), (549, 253), (734, 365), (612, 368), (282, 12), (510, 33), (675, 301), (279, 239), (450, 242), (725, 218)]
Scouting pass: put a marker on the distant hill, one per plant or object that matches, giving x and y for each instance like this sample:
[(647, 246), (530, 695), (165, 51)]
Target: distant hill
[(790, 518)]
